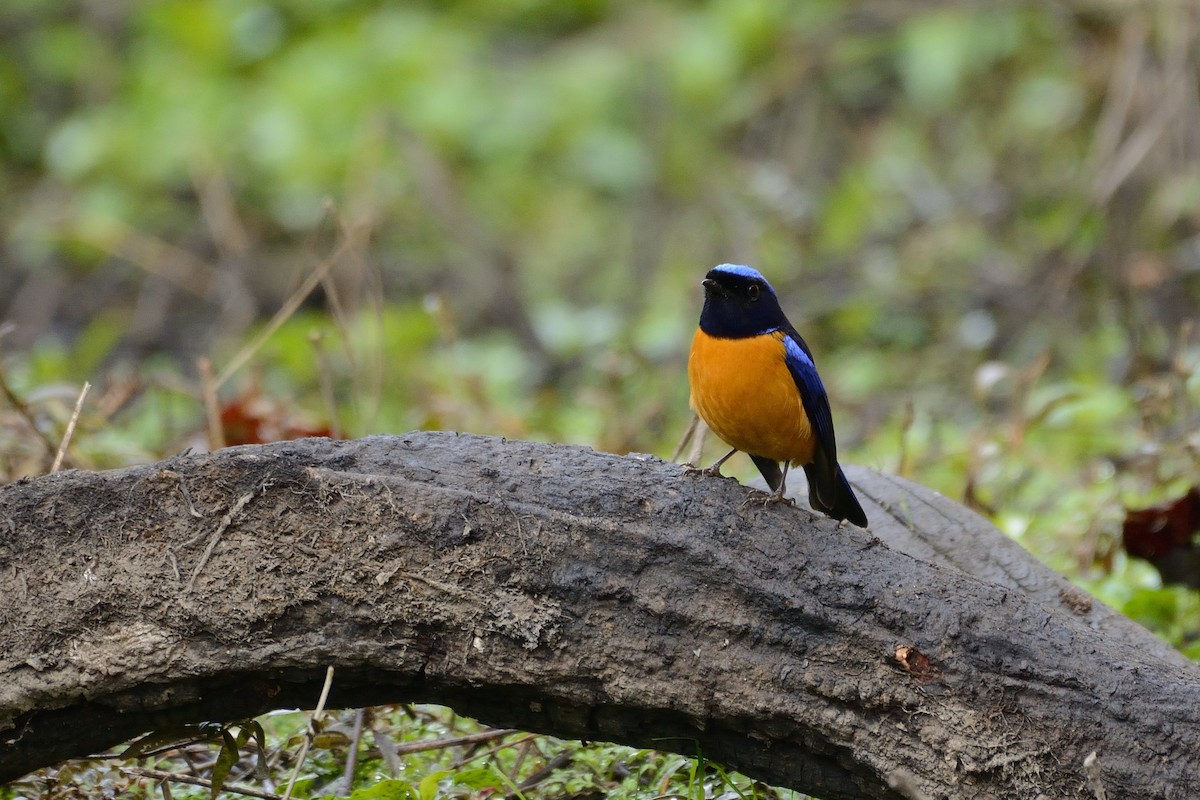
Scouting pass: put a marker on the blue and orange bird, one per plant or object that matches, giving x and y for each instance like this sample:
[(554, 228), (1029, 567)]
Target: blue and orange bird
[(755, 384)]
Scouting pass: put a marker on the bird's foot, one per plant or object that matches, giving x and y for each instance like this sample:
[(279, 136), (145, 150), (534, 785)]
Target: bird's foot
[(711, 472), (779, 497), (767, 498)]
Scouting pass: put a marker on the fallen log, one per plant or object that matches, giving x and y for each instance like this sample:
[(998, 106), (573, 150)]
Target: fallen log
[(556, 589)]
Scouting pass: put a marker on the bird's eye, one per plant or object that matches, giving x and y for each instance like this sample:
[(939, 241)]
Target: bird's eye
[(753, 291)]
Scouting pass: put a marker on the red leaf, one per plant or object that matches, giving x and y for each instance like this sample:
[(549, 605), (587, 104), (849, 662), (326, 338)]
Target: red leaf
[(1166, 536), (252, 418)]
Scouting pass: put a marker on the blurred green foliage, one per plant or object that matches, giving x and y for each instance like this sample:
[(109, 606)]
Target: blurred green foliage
[(525, 766), (907, 175), (984, 218)]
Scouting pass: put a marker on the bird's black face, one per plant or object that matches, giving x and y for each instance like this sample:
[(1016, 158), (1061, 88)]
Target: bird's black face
[(738, 304)]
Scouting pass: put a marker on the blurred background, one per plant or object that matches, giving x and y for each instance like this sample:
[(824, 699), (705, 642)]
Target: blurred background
[(370, 217), (493, 217)]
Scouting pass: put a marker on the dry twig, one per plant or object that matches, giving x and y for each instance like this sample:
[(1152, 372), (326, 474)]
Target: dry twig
[(316, 715), (470, 738), (175, 777), (224, 524), (66, 440), (212, 408)]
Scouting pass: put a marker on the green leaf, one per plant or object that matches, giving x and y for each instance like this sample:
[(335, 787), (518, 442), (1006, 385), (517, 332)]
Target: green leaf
[(427, 789), (330, 740), (478, 778), (167, 737), (248, 728), (225, 761), (934, 56), (386, 790)]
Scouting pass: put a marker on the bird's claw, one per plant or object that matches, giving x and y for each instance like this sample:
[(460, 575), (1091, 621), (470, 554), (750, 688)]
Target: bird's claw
[(771, 498), (710, 472), (778, 497)]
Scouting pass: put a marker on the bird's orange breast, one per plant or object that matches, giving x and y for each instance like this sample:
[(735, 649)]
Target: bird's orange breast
[(743, 391)]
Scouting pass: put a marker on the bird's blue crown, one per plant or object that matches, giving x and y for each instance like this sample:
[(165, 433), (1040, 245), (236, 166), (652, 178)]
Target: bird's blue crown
[(741, 270), (739, 302)]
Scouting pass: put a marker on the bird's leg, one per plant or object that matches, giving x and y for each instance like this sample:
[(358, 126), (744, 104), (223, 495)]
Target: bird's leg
[(777, 495), (715, 469)]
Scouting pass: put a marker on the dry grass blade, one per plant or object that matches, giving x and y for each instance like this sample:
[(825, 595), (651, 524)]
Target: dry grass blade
[(284, 313), (686, 440), (326, 378), (317, 712), (70, 431), (212, 407), (152, 255)]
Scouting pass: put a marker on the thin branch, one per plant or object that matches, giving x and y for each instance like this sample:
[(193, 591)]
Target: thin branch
[(471, 738), (175, 777), (352, 751), (560, 761), (25, 411), (522, 744)]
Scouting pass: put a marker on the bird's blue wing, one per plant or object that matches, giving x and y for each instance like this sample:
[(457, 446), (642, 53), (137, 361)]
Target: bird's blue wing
[(828, 489), (812, 391)]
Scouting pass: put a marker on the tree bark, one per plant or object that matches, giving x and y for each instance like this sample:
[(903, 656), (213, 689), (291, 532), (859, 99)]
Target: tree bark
[(587, 595)]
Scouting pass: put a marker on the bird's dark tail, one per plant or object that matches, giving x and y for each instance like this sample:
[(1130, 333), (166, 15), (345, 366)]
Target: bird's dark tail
[(770, 470), (829, 492)]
